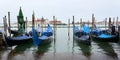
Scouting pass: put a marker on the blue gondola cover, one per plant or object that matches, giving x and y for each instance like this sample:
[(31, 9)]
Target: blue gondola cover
[(48, 31), (85, 29), (104, 36), (36, 41)]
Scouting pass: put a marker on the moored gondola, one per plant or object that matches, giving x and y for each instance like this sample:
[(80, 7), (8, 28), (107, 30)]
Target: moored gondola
[(45, 38), (104, 35), (17, 40), (82, 35), (106, 38), (10, 41)]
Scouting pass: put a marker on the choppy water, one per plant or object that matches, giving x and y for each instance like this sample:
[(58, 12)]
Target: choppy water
[(63, 48)]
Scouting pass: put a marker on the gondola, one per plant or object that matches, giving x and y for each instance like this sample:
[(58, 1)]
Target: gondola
[(17, 40), (106, 38), (10, 41), (104, 35), (45, 38), (82, 35)]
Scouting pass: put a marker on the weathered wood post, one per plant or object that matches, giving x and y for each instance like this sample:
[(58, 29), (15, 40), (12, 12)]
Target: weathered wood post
[(42, 23), (105, 23), (1, 40), (68, 27), (93, 21), (73, 22), (33, 20), (80, 23), (68, 23), (5, 25), (54, 26), (119, 31), (9, 23), (88, 23), (26, 24), (4, 30), (18, 24), (73, 32), (54, 22), (117, 22), (109, 23), (113, 21)]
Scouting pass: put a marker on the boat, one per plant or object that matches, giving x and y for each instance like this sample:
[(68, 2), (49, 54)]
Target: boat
[(106, 38), (11, 41), (15, 40), (45, 38), (81, 35), (104, 35)]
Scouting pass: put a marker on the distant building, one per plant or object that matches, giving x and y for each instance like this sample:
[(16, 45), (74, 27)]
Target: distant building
[(100, 22), (38, 21), (55, 22), (82, 22)]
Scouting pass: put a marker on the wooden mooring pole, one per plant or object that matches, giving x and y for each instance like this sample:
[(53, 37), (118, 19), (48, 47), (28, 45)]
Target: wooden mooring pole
[(73, 30), (54, 26), (5, 25), (68, 23), (80, 23), (26, 24), (9, 23), (93, 21), (119, 32), (105, 23), (4, 31), (68, 27), (1, 39)]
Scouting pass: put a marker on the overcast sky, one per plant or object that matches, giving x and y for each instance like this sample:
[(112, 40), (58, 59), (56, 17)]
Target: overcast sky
[(62, 9)]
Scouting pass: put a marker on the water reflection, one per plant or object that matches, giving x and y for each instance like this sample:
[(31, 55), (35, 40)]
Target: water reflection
[(64, 47), (68, 43), (41, 50), (1, 53), (19, 49), (107, 48), (85, 48)]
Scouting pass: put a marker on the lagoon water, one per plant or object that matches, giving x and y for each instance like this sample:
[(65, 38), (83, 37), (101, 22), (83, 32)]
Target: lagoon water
[(63, 47)]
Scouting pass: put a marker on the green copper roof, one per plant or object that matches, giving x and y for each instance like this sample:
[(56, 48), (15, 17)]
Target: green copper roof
[(20, 12)]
